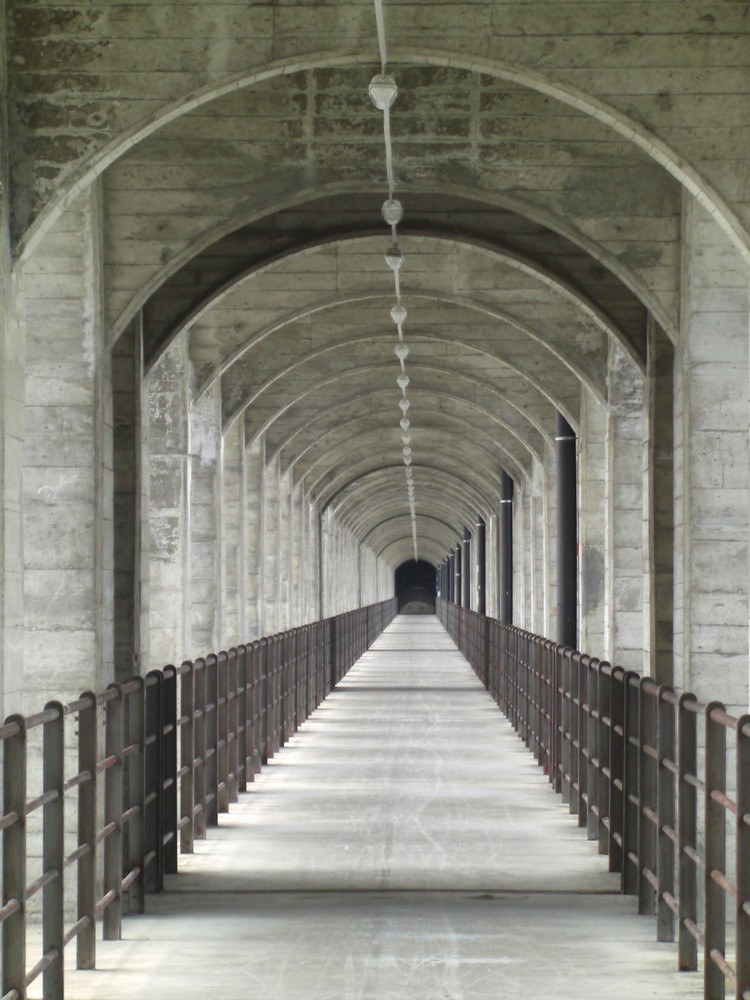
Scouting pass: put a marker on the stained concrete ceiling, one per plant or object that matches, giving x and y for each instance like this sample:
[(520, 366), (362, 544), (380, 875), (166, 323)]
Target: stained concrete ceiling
[(536, 239)]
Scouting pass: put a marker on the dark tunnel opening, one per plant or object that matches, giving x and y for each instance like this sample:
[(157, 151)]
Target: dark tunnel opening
[(416, 588)]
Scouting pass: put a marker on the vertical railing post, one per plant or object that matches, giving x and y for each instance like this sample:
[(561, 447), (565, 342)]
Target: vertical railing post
[(235, 725), (136, 763), (603, 751), (222, 733), (245, 717), (742, 866), (169, 790), (714, 927), (53, 850), (616, 767), (687, 809), (14, 858), (647, 796), (187, 757), (592, 745), (153, 821), (87, 798), (211, 767), (199, 744), (630, 790), (113, 814), (666, 812)]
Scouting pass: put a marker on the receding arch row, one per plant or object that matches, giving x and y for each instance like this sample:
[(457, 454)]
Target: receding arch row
[(509, 260), (78, 179)]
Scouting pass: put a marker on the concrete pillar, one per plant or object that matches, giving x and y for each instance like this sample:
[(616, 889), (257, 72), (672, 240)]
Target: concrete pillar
[(505, 604), (593, 524), (130, 469), (711, 466), (481, 570), (538, 552), (458, 574), (12, 432), (566, 529), (466, 560), (233, 540), (255, 602), (658, 466), (296, 558), (205, 524), (626, 553), (169, 508), (66, 552), (271, 565), (286, 544)]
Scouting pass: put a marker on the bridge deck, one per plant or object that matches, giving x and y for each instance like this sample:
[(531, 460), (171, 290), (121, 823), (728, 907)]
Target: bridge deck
[(402, 845)]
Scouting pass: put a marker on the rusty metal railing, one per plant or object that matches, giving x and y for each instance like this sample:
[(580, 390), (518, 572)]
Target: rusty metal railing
[(645, 771), (178, 747)]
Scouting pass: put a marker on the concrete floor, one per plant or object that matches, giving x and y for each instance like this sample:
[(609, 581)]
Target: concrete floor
[(403, 845)]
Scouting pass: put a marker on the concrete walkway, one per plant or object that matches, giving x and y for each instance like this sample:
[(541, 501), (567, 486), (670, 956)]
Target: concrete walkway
[(402, 845)]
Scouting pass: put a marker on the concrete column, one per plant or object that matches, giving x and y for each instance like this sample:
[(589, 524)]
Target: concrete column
[(169, 508), (458, 574), (271, 566), (711, 466), (205, 523), (540, 597), (66, 552), (233, 540), (593, 524), (130, 468), (658, 523), (466, 558), (566, 529), (481, 571), (297, 558), (12, 432), (255, 602), (286, 545), (626, 554), (505, 605)]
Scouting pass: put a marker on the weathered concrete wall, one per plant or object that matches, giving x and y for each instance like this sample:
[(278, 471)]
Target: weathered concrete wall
[(625, 544), (11, 435), (678, 71), (234, 630), (711, 466), (169, 508), (67, 463), (592, 502), (206, 529)]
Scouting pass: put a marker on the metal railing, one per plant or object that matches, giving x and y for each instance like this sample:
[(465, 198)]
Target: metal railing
[(178, 747), (643, 780)]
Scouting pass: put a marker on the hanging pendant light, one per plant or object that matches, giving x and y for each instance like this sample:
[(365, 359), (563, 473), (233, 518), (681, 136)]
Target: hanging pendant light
[(383, 91)]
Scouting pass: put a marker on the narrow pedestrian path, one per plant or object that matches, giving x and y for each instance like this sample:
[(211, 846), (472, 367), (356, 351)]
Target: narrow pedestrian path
[(402, 846)]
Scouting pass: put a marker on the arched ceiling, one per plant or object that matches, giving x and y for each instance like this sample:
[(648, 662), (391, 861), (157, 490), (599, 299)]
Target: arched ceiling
[(537, 239)]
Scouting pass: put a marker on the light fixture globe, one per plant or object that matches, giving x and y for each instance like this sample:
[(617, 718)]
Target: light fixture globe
[(398, 313), (404, 405), (406, 438), (407, 450), (404, 424), (402, 352), (382, 91), (393, 211), (394, 258), (402, 381)]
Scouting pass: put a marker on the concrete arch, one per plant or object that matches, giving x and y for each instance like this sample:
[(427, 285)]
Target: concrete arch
[(513, 260), (624, 125), (428, 425), (320, 386)]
